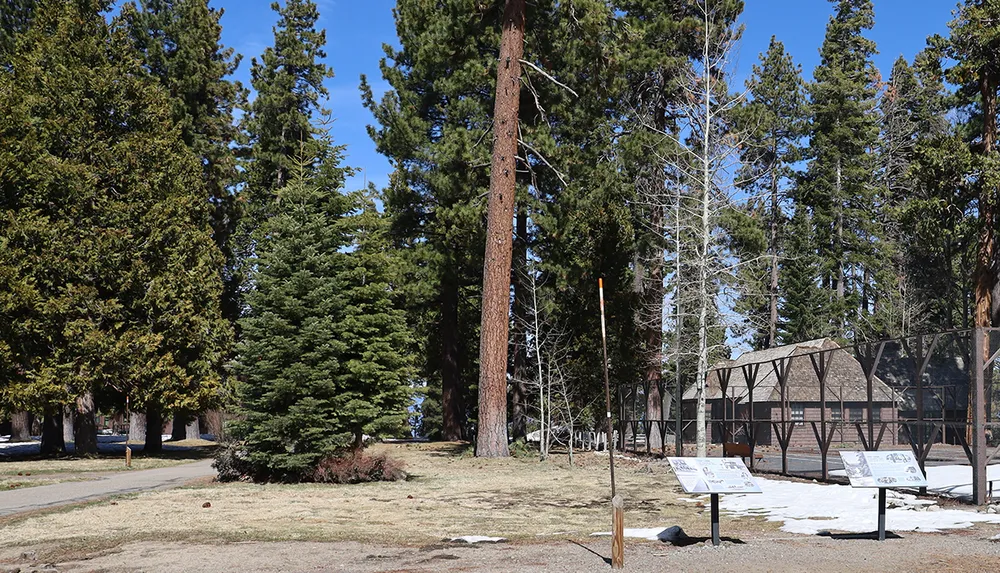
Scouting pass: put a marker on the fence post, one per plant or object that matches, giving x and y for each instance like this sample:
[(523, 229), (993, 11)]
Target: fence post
[(977, 399)]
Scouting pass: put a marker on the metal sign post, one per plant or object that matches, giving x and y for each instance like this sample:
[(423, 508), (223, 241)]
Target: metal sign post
[(714, 476), (716, 540), (883, 470), (881, 514)]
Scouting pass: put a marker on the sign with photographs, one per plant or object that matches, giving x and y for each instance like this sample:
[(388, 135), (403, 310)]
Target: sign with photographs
[(883, 469), (713, 475)]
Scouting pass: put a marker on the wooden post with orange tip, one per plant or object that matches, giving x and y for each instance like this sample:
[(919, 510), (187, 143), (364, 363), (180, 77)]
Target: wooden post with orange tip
[(617, 505)]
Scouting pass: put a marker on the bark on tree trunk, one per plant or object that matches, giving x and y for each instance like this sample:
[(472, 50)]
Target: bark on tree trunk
[(85, 426), (654, 331), (986, 278), (137, 427), (154, 431), (772, 320), (193, 429), (453, 420), (518, 389), (20, 427), (69, 424), (52, 436), (491, 437)]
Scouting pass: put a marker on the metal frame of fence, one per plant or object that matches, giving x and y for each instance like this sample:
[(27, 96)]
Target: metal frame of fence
[(977, 349)]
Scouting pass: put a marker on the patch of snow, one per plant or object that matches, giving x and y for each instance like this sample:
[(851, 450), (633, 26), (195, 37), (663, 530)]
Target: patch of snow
[(618, 456), (667, 534), (996, 537), (810, 508), (477, 539)]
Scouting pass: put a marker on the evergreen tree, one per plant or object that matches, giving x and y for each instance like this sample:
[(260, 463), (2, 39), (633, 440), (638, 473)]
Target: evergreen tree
[(374, 381), (15, 17), (838, 186), (279, 125), (802, 293), (180, 40), (572, 210), (773, 123), (291, 352), (432, 126), (106, 232), (659, 40), (974, 45)]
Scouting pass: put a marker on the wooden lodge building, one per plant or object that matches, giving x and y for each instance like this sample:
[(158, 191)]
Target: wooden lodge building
[(801, 366)]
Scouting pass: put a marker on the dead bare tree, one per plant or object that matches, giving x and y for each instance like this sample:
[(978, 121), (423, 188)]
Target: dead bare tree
[(704, 167)]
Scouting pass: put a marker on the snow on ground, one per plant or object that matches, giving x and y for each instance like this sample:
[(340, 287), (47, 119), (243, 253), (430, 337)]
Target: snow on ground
[(477, 539), (667, 534), (811, 508), (952, 481)]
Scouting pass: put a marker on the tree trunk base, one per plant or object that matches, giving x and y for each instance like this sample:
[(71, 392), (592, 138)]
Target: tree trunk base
[(85, 428), (20, 430), (52, 434), (154, 431)]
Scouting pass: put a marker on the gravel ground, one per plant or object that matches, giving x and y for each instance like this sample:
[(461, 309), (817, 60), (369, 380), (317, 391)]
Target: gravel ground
[(965, 551)]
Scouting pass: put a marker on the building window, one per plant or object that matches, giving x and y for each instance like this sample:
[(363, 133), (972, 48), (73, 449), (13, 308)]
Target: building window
[(836, 414), (876, 414), (798, 413), (856, 414)]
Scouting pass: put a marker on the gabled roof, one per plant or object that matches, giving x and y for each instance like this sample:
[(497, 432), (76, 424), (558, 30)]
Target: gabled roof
[(845, 379)]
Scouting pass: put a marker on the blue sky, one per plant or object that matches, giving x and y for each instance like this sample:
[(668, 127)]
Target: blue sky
[(356, 31)]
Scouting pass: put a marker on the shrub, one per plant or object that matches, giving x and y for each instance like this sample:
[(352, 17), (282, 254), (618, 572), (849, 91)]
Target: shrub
[(233, 463), (358, 467)]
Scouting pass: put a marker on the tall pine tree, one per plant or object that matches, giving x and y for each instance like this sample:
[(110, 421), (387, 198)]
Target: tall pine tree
[(838, 187), (773, 123)]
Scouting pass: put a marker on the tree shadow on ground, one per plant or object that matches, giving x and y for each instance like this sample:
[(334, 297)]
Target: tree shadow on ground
[(451, 449)]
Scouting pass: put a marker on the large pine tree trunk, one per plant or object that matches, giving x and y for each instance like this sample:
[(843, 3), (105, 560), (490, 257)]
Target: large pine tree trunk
[(986, 278), (85, 426), (20, 427), (772, 319), (154, 431), (491, 438), (52, 432), (518, 388), (452, 408), (654, 331)]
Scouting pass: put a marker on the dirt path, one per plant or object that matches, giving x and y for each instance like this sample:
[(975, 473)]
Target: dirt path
[(41, 497), (966, 552)]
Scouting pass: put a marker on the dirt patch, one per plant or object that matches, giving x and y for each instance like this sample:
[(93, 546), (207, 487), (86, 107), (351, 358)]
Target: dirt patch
[(768, 552)]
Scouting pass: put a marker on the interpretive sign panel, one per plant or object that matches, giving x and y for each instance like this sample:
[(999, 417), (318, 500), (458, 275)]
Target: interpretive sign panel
[(883, 469), (714, 475)]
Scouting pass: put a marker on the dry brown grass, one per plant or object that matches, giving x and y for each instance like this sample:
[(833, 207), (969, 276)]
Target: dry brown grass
[(449, 494)]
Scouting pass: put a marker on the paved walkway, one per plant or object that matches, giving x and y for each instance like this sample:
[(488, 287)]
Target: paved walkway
[(32, 498)]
